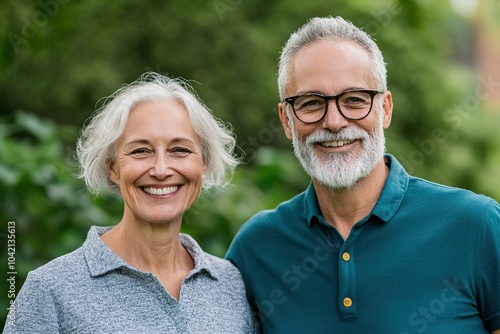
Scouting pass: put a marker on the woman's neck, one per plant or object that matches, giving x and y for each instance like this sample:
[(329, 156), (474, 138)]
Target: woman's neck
[(153, 248)]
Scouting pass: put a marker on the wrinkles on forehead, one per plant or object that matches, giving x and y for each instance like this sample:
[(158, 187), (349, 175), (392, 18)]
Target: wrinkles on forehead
[(330, 67)]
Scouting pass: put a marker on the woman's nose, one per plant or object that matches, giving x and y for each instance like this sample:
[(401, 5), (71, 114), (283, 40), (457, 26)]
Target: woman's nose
[(161, 167)]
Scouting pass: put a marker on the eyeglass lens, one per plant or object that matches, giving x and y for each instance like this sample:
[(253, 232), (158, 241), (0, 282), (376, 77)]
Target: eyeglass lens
[(354, 105)]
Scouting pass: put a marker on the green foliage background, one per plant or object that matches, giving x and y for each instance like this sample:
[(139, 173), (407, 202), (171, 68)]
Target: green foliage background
[(59, 57)]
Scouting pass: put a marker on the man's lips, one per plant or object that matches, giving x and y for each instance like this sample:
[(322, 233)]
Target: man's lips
[(337, 143)]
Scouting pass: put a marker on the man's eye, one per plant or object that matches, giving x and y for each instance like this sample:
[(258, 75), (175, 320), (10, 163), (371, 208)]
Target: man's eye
[(360, 99), (355, 100), (309, 103)]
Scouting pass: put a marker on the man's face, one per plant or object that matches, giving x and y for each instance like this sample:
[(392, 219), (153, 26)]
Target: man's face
[(335, 151)]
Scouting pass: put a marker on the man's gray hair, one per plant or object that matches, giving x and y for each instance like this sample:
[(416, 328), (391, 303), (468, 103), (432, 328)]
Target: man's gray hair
[(335, 29), (96, 144)]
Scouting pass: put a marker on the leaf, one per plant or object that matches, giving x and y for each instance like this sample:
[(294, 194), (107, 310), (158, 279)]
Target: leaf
[(8, 175), (42, 129)]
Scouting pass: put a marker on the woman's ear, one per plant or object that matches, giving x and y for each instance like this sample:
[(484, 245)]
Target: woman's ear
[(114, 175)]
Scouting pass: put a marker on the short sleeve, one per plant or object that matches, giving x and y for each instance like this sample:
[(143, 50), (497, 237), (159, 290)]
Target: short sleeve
[(33, 310), (489, 267)]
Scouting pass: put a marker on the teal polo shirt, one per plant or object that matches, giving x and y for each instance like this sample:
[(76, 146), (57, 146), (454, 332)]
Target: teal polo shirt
[(425, 260)]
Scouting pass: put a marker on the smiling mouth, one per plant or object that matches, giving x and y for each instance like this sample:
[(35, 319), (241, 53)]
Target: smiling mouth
[(160, 191), (337, 143)]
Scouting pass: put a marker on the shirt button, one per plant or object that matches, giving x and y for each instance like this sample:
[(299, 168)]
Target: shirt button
[(347, 302), (346, 256)]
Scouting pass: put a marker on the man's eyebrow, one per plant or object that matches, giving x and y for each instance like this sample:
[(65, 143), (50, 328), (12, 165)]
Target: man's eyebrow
[(305, 92)]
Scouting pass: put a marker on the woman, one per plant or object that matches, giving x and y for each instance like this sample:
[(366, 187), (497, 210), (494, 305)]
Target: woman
[(158, 145)]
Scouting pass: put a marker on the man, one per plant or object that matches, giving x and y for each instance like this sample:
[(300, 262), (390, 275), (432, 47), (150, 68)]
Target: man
[(366, 248)]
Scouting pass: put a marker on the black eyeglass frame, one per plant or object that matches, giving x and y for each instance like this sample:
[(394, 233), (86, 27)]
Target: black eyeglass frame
[(291, 101)]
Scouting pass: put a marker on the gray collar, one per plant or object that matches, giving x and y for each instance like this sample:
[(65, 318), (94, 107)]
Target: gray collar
[(102, 260)]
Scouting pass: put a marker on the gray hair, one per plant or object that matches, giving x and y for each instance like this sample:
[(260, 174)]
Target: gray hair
[(335, 29), (96, 144)]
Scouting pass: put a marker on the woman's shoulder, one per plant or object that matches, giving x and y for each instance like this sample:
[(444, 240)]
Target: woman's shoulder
[(61, 268), (218, 267), (223, 266)]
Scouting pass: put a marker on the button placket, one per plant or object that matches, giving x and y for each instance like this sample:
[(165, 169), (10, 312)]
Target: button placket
[(347, 280)]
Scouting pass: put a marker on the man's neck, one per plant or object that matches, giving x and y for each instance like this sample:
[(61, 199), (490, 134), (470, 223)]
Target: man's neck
[(343, 208)]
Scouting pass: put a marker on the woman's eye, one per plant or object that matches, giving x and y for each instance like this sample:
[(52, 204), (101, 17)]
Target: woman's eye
[(181, 151), (139, 151)]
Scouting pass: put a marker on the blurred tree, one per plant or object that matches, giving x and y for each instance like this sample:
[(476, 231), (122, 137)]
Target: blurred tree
[(67, 55), (52, 211), (50, 207), (58, 57)]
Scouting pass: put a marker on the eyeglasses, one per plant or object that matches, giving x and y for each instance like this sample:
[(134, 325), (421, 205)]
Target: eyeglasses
[(352, 104)]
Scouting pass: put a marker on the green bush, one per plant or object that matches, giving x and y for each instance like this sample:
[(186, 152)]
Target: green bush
[(53, 211), (231, 49)]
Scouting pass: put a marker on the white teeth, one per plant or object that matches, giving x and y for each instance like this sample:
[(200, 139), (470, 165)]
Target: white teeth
[(336, 143), (160, 191)]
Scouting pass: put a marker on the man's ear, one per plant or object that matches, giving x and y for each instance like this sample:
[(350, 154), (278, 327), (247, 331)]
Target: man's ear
[(285, 120), (387, 109)]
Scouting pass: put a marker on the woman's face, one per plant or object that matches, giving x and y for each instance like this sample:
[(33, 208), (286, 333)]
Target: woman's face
[(158, 163)]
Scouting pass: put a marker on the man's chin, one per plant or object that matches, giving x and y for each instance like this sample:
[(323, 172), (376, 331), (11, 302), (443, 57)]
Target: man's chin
[(337, 185), (328, 179)]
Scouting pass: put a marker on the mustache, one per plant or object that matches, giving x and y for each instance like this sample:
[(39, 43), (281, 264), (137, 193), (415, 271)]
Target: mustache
[(351, 133)]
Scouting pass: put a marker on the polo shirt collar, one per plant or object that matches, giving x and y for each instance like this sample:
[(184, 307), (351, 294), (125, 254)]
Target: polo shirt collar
[(101, 260), (202, 261), (388, 203), (394, 190)]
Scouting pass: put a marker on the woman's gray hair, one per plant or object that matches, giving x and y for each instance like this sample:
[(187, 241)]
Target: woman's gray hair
[(335, 29), (96, 144)]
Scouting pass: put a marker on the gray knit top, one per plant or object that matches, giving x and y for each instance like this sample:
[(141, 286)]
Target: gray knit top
[(92, 290)]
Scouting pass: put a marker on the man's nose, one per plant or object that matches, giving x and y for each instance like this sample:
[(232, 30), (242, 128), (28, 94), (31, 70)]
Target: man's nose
[(333, 119)]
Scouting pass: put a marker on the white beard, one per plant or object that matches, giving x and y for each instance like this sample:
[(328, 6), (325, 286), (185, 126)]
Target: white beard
[(343, 169)]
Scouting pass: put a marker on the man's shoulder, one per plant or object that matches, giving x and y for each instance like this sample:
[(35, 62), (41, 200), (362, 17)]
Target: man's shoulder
[(265, 228), (446, 198), (289, 209), (445, 191)]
